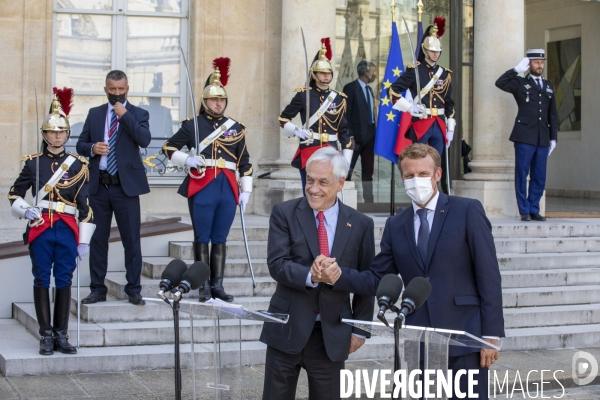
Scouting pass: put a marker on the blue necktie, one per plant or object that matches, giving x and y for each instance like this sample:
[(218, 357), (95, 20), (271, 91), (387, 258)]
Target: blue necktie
[(369, 104), (423, 237), (111, 161)]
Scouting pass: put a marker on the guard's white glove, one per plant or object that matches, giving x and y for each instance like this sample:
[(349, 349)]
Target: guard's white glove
[(33, 213), (82, 250), (302, 133), (194, 162), (347, 153), (522, 66), (552, 146), (244, 198), (450, 126), (449, 137), (417, 110)]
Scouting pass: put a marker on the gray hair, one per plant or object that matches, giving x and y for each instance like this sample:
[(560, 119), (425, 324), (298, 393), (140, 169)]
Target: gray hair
[(115, 75), (363, 67), (335, 158)]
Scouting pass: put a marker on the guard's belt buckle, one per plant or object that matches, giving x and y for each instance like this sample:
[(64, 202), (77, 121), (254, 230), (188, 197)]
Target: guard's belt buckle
[(434, 112), (324, 137), (221, 163), (60, 207)]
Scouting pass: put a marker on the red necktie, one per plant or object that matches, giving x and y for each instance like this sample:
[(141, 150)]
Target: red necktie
[(322, 235)]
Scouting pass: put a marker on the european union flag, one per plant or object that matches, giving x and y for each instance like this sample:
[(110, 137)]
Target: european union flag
[(419, 39), (388, 118)]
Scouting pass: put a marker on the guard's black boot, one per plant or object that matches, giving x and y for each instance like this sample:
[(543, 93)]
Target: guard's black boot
[(62, 311), (201, 254), (217, 271), (41, 299)]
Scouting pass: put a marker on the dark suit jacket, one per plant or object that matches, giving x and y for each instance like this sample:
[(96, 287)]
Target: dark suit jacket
[(461, 266), (536, 122), (292, 247), (357, 112), (132, 134)]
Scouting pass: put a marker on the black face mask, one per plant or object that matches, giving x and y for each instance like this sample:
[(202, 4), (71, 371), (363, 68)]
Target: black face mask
[(116, 98)]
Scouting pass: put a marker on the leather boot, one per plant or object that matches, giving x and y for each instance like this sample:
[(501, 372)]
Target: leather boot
[(41, 299), (62, 311), (201, 254), (217, 272)]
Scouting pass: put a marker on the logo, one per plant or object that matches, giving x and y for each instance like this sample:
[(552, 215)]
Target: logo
[(584, 368)]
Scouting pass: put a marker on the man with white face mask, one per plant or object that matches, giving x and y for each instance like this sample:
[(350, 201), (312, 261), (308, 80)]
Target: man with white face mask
[(448, 241)]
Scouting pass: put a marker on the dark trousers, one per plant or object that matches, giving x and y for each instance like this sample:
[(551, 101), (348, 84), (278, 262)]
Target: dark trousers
[(282, 371), (213, 210), (303, 179), (530, 160), (111, 199), (55, 250), (365, 150), (466, 362)]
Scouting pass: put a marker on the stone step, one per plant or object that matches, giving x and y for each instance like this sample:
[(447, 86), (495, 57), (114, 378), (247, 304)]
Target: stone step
[(153, 267), (553, 337), (551, 277), (546, 316), (260, 233), (265, 286), (235, 250), (547, 245), (549, 296), (22, 357), (554, 228), (542, 261)]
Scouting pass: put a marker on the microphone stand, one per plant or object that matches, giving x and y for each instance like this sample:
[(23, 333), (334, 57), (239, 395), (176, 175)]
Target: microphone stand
[(398, 321), (175, 307)]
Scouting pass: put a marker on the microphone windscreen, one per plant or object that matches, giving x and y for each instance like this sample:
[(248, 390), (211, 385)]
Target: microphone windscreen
[(418, 290), (390, 286), (174, 271), (196, 274)]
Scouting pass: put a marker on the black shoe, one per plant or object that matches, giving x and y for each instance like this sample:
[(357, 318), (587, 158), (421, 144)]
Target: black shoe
[(137, 299), (538, 217), (217, 272), (60, 328), (525, 217), (93, 297), (47, 345), (41, 299), (201, 254)]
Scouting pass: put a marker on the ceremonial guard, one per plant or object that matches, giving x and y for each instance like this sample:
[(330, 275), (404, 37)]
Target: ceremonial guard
[(59, 182), (211, 186), (535, 131), (327, 125), (432, 108)]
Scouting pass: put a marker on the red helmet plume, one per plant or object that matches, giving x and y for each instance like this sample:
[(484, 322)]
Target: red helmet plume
[(441, 25), (65, 98), (327, 43), (223, 64)]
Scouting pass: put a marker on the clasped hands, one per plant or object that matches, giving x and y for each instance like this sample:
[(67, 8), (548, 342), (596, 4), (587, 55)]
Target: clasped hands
[(325, 269)]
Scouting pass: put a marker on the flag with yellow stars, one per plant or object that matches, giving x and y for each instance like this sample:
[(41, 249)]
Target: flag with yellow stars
[(388, 118)]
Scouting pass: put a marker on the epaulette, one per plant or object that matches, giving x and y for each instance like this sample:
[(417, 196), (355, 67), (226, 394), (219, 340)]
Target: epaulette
[(447, 70), (31, 156), (300, 89), (238, 122), (411, 65), (80, 158), (340, 93), (183, 120)]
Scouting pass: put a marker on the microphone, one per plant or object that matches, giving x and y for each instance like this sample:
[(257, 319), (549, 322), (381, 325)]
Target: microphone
[(417, 291), (171, 277), (192, 279), (387, 295)]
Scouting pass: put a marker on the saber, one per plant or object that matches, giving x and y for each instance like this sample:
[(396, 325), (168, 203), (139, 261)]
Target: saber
[(78, 304), (448, 169), (247, 248), (307, 81), (412, 53), (39, 221), (189, 81)]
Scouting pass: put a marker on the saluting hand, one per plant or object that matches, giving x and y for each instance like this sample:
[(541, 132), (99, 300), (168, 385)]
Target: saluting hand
[(120, 109)]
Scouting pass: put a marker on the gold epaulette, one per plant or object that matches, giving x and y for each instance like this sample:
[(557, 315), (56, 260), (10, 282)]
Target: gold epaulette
[(411, 65), (340, 93), (448, 70), (30, 156), (80, 158), (183, 120), (300, 89), (238, 122)]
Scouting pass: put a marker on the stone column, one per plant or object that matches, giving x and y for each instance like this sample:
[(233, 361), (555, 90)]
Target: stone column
[(499, 45), (318, 20)]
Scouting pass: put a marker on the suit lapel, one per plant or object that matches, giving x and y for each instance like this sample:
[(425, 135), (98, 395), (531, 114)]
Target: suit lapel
[(441, 210), (409, 225), (306, 219), (361, 95), (343, 230), (101, 124)]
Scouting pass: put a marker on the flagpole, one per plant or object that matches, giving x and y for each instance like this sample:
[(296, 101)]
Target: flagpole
[(393, 181)]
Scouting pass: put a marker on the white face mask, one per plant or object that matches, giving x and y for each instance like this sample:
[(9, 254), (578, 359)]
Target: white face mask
[(419, 189)]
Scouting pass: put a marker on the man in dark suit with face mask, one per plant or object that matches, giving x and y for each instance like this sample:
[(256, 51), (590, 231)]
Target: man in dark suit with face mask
[(111, 137)]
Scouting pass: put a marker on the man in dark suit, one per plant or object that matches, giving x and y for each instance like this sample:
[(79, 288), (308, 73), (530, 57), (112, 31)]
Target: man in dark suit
[(111, 137), (302, 233), (535, 130), (361, 120), (448, 241)]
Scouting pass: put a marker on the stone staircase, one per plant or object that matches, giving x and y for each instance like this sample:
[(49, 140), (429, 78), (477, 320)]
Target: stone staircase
[(551, 294)]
